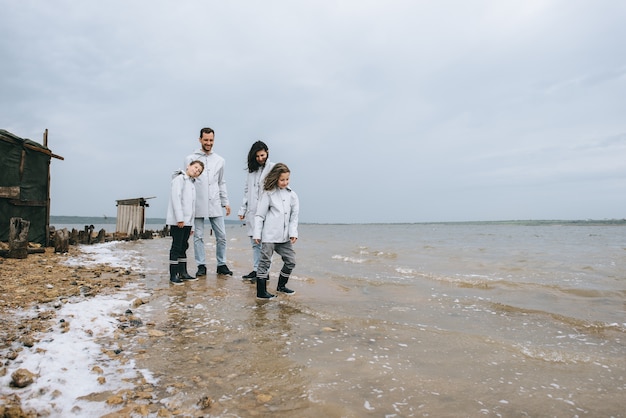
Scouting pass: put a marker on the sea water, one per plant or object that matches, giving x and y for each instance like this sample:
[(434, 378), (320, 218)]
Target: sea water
[(487, 319)]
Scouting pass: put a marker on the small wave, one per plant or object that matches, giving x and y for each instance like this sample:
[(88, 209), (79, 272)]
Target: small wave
[(487, 283), (474, 281), (376, 253), (347, 259), (405, 270), (552, 356), (580, 324)]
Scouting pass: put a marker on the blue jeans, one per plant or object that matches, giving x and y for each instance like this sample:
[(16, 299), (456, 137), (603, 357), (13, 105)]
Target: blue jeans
[(217, 224), (256, 254)]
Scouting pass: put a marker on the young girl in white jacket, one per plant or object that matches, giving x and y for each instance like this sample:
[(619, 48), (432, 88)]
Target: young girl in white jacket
[(276, 228), (180, 217)]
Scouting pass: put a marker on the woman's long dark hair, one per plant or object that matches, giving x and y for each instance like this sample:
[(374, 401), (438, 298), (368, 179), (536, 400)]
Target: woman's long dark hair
[(253, 165)]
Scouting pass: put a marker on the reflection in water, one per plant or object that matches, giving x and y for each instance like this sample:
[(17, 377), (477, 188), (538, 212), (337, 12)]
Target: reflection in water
[(238, 355), (437, 332)]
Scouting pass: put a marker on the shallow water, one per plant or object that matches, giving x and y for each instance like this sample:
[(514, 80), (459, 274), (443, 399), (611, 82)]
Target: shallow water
[(399, 320)]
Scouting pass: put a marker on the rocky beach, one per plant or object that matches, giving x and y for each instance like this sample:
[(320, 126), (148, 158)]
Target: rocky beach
[(34, 291)]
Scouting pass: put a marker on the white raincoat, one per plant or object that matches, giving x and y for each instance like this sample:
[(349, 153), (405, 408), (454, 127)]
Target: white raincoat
[(211, 193), (182, 203), (251, 193), (276, 217)]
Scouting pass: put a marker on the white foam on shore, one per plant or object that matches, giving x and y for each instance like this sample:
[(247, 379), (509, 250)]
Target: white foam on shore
[(106, 253), (64, 361)]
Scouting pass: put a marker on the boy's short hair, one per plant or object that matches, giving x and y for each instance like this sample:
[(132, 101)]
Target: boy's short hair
[(197, 162)]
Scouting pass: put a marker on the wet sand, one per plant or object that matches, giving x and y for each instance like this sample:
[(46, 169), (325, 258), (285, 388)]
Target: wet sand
[(340, 347)]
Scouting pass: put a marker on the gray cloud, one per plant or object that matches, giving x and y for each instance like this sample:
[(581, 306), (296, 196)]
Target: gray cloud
[(399, 111)]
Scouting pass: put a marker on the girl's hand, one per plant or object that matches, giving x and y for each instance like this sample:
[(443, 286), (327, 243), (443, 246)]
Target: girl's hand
[(293, 240), (180, 224), (241, 217), (257, 241)]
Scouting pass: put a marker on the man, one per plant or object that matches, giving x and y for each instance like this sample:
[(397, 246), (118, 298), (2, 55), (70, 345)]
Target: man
[(211, 201)]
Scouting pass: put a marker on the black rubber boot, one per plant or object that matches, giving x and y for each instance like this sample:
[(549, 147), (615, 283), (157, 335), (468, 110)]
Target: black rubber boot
[(261, 289), (182, 272), (201, 270), (224, 270), (174, 279), (251, 277), (282, 281)]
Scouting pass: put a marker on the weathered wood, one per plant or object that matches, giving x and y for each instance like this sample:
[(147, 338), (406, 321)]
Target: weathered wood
[(74, 237), (18, 238), (8, 192), (61, 241), (85, 236)]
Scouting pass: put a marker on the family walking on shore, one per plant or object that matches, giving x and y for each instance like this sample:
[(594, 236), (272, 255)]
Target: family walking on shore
[(270, 209)]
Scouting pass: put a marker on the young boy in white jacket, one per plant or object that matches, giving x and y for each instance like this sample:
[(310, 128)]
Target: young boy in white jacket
[(180, 217), (276, 228)]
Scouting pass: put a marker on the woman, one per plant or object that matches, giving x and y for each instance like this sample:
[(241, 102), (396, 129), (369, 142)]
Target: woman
[(258, 167)]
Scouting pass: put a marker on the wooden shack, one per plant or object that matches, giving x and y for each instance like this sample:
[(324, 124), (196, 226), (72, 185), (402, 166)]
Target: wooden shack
[(131, 215), (25, 185)]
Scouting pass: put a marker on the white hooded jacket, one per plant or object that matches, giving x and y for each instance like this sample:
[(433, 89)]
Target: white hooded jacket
[(182, 203), (276, 217), (251, 193), (211, 193)]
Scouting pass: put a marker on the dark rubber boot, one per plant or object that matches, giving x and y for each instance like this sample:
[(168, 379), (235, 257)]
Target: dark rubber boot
[(261, 289), (224, 270), (174, 279), (251, 277), (182, 272), (201, 270), (282, 281)]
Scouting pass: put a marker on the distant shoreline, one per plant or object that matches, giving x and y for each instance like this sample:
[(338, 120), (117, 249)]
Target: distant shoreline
[(88, 220), (109, 220)]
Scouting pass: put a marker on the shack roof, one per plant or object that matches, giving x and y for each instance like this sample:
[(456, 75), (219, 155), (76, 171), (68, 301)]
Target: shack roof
[(35, 146), (139, 201)]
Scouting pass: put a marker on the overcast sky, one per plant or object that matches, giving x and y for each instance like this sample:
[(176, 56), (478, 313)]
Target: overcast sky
[(385, 111)]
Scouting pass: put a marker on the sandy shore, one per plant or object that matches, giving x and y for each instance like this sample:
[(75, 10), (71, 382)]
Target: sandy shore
[(72, 325), (32, 291)]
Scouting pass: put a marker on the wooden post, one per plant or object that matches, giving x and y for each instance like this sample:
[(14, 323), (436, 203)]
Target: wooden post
[(18, 238), (62, 241), (45, 144), (74, 237)]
